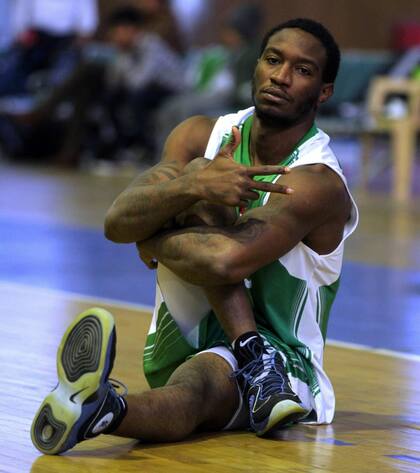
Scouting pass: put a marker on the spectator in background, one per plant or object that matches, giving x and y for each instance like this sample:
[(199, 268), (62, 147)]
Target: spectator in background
[(142, 72), (45, 35), (159, 19), (241, 36), (145, 73), (218, 76)]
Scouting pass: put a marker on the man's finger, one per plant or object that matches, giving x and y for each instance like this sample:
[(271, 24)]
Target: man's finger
[(151, 263), (250, 195), (267, 170), (148, 260), (270, 187), (234, 141)]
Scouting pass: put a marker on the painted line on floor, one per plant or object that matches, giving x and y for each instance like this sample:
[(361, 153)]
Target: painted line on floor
[(75, 296), (378, 351), (146, 308)]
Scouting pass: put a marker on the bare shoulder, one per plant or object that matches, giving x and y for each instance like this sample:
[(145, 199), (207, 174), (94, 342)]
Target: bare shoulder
[(186, 142), (318, 209), (189, 139), (318, 191)]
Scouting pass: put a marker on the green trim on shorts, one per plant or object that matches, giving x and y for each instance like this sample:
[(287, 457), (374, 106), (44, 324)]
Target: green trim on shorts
[(166, 349)]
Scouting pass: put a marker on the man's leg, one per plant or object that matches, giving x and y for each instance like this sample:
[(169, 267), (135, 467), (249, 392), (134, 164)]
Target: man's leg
[(230, 303), (199, 395)]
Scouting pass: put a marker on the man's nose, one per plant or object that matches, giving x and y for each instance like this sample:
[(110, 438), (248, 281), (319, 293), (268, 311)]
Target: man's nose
[(282, 75)]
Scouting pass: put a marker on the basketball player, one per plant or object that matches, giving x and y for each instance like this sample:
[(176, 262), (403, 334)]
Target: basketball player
[(249, 243)]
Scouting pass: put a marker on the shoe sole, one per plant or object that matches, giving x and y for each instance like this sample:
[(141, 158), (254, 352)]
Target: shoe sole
[(84, 360), (283, 413)]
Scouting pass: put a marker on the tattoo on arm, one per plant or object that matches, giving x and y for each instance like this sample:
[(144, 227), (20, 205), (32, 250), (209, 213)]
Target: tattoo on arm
[(248, 230), (243, 231), (207, 236), (154, 175)]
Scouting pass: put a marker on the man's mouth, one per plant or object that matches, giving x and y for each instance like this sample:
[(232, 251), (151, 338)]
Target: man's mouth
[(275, 94)]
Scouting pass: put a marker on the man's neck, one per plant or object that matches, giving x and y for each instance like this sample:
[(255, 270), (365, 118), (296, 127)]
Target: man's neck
[(271, 145)]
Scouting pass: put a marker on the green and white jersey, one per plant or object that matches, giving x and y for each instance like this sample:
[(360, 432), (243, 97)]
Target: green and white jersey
[(292, 296)]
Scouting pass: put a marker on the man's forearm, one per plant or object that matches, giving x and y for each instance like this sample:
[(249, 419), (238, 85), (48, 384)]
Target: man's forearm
[(140, 211), (206, 256)]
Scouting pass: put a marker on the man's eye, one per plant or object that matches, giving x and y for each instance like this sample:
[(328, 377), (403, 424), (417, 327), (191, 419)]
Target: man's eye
[(272, 60), (304, 71)]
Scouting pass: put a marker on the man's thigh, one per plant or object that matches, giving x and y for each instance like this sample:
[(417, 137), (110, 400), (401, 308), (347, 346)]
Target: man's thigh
[(209, 378)]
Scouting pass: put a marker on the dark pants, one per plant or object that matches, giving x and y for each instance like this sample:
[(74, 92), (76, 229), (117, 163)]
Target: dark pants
[(46, 52)]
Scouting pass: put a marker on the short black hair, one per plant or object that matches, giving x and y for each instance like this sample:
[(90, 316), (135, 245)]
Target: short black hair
[(127, 15), (322, 34)]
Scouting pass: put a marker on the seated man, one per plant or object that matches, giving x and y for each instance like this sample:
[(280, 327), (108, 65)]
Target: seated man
[(265, 256)]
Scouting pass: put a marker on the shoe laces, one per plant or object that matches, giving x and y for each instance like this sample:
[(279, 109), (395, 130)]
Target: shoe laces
[(271, 380), (118, 386), (252, 368)]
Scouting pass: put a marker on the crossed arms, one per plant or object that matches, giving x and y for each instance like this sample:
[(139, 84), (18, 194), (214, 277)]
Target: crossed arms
[(219, 255)]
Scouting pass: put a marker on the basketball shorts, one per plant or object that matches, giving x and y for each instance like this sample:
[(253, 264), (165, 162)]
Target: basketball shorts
[(183, 326)]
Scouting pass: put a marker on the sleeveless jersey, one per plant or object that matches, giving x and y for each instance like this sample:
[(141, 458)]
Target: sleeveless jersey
[(292, 296)]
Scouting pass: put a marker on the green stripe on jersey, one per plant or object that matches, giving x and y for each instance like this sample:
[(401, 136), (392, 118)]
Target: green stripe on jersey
[(325, 299), (242, 154)]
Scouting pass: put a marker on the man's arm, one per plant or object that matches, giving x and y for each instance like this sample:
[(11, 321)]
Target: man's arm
[(210, 256), (164, 191), (160, 193)]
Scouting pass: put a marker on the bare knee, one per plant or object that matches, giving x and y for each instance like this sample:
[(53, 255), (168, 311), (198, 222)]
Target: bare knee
[(212, 392)]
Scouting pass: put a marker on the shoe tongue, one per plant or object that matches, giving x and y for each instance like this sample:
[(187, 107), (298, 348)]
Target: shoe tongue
[(248, 348)]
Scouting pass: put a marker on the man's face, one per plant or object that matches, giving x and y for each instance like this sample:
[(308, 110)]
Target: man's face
[(288, 83), (123, 36)]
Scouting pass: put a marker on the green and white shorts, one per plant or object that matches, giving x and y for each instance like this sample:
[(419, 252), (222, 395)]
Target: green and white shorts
[(183, 326)]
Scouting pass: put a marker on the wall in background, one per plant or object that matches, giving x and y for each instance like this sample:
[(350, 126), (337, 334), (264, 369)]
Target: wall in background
[(355, 23)]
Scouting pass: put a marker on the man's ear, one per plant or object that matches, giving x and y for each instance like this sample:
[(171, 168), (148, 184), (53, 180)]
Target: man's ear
[(326, 92)]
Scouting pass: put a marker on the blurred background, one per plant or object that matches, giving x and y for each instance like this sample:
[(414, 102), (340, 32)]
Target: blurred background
[(97, 85), (90, 89)]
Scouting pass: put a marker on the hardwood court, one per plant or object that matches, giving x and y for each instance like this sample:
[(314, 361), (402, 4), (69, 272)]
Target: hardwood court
[(376, 427), (377, 424)]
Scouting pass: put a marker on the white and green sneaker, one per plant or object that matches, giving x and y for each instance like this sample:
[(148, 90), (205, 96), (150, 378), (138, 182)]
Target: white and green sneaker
[(84, 403)]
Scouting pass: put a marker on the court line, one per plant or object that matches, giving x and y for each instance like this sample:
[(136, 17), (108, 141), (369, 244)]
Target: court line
[(378, 351), (76, 295), (146, 308)]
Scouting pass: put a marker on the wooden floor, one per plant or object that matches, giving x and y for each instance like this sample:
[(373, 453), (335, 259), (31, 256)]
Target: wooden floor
[(377, 424)]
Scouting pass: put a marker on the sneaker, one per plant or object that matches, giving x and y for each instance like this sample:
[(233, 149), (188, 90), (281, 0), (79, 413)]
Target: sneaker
[(84, 403), (271, 400)]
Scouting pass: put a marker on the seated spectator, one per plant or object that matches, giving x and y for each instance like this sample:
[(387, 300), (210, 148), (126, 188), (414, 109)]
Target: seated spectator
[(131, 78), (46, 35), (159, 19), (218, 75)]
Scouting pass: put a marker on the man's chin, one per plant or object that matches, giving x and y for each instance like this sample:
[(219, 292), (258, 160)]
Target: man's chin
[(273, 118)]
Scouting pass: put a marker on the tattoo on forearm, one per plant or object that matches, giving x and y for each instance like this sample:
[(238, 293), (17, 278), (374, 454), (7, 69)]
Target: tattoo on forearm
[(169, 173), (204, 235), (154, 175), (248, 230)]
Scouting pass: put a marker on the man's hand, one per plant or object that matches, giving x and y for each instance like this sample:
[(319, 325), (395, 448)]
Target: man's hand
[(148, 258), (225, 182)]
